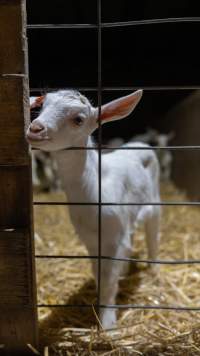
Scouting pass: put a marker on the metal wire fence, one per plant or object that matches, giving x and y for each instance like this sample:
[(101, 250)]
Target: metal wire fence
[(99, 88)]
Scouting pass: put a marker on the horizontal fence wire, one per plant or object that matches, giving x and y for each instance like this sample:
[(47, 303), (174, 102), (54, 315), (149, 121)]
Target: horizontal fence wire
[(128, 148), (99, 89), (121, 259), (162, 203), (122, 306), (120, 88), (171, 20)]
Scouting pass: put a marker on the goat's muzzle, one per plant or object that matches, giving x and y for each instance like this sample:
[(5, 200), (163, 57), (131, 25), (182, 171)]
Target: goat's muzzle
[(36, 132)]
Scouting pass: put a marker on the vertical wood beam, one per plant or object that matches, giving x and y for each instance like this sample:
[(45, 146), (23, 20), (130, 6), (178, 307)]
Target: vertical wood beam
[(18, 316)]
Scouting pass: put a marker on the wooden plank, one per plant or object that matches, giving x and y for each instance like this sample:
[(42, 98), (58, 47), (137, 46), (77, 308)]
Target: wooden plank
[(17, 306), (14, 269), (13, 148), (18, 317), (11, 319), (12, 55), (15, 197)]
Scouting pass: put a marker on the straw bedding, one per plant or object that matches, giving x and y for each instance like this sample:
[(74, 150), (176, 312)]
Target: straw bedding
[(139, 332)]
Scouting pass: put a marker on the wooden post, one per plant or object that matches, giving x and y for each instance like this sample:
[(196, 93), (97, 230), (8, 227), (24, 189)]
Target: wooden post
[(18, 316)]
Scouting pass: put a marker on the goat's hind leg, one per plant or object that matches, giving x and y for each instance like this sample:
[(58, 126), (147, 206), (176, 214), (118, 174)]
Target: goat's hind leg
[(152, 227)]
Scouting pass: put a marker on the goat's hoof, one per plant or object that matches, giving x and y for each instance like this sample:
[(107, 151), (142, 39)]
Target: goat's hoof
[(108, 319), (155, 270)]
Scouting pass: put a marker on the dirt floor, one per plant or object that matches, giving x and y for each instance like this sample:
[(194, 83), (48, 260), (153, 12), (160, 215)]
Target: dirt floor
[(71, 331)]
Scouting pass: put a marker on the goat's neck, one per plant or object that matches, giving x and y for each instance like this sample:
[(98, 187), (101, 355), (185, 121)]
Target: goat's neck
[(78, 170)]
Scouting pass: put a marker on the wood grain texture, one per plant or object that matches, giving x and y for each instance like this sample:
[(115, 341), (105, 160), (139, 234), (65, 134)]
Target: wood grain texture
[(11, 335), (13, 147), (18, 317), (12, 56), (14, 269), (15, 197)]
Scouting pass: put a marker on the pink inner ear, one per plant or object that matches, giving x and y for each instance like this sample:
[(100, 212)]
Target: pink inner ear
[(115, 108), (107, 112), (38, 102), (119, 107)]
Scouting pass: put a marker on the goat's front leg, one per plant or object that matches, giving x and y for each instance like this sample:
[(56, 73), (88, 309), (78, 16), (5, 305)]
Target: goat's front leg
[(110, 274)]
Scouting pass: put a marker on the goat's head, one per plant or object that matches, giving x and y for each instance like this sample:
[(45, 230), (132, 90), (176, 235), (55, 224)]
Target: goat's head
[(67, 118)]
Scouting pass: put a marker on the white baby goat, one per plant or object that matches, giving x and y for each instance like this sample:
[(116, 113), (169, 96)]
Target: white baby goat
[(67, 119)]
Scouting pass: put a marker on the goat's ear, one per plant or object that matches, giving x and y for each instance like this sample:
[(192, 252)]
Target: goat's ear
[(120, 108), (36, 101)]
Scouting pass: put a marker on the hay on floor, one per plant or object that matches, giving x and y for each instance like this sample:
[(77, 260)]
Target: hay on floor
[(139, 332)]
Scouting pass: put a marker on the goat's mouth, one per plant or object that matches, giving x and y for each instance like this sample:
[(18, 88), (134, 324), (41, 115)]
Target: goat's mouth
[(36, 143), (32, 137)]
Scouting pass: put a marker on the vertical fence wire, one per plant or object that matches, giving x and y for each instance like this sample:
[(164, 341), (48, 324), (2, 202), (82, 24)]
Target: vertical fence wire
[(99, 153)]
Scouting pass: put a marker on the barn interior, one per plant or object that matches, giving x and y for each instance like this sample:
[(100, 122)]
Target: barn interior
[(163, 59)]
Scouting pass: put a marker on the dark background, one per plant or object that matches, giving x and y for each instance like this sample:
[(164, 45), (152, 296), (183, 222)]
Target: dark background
[(144, 55)]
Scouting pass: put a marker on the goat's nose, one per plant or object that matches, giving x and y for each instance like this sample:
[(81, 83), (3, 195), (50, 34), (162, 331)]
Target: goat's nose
[(36, 127)]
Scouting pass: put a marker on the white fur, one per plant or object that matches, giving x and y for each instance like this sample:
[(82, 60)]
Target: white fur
[(156, 138), (127, 176)]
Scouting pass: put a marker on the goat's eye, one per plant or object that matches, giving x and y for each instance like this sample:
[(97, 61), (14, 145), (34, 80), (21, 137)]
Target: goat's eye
[(78, 120)]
